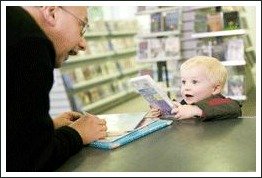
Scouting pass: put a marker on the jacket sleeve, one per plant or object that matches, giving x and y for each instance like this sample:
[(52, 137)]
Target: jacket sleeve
[(32, 142), (218, 107), (65, 143)]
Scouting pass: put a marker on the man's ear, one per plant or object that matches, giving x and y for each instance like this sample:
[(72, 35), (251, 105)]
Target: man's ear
[(49, 14), (217, 89)]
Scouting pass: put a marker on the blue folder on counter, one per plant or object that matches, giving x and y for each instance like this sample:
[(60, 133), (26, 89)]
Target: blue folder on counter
[(132, 135)]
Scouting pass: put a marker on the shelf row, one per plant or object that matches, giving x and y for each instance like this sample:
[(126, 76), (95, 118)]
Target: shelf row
[(89, 35), (76, 61), (101, 80), (157, 10), (219, 33), (159, 34), (109, 101)]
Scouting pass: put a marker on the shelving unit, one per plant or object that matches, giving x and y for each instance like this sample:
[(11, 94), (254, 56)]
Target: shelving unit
[(236, 64), (78, 61), (219, 33), (158, 34), (109, 34), (162, 42), (98, 79), (156, 10), (78, 87), (105, 103)]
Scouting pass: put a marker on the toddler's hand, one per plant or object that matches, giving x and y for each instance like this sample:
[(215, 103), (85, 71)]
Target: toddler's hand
[(175, 108), (154, 112)]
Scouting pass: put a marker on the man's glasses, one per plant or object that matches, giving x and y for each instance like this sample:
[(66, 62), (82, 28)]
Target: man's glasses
[(82, 22)]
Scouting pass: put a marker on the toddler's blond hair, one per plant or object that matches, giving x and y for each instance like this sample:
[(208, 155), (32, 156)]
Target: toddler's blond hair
[(215, 71)]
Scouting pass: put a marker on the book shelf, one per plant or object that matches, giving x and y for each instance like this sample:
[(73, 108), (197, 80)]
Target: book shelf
[(160, 45), (223, 36), (143, 10), (219, 33), (97, 79)]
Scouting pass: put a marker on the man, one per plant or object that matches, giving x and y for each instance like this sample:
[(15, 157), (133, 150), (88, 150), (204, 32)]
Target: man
[(40, 39)]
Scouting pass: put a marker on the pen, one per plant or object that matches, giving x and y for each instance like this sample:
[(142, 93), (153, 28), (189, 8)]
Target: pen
[(87, 114)]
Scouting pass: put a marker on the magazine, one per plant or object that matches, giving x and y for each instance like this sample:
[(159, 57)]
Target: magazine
[(152, 93)]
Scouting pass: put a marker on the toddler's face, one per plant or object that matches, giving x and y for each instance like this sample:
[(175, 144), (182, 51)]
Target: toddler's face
[(195, 85)]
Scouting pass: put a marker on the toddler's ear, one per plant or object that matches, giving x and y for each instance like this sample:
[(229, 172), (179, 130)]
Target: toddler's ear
[(217, 89)]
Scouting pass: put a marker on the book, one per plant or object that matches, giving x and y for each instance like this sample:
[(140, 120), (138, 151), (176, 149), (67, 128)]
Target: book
[(122, 122), (172, 47), (204, 48), (218, 49), (143, 50), (157, 49), (235, 50), (200, 22), (156, 22), (215, 22), (126, 138), (152, 93), (231, 20), (236, 85), (171, 21)]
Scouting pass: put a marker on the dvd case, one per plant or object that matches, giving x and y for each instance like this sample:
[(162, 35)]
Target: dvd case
[(171, 21), (231, 20), (156, 22), (152, 93)]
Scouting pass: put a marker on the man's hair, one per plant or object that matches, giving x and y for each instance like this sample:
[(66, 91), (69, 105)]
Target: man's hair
[(215, 70)]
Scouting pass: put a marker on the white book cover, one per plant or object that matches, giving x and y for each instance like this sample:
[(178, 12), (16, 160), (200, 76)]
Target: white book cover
[(152, 93), (172, 47), (236, 85), (235, 50), (121, 124), (157, 49)]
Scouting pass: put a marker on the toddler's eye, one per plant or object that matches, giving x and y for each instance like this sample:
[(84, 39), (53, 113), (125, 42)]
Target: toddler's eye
[(194, 81)]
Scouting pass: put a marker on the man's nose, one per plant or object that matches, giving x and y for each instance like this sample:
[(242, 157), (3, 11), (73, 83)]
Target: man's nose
[(82, 44)]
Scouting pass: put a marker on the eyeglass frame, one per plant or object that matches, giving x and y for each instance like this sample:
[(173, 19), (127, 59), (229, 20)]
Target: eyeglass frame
[(84, 24)]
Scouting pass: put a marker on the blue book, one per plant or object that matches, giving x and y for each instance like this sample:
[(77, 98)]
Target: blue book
[(131, 136)]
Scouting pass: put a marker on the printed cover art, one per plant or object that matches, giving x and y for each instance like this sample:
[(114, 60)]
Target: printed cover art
[(156, 22), (152, 93), (171, 21)]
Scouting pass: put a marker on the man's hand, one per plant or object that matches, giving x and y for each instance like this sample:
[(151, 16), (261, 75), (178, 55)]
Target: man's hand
[(66, 118), (90, 128)]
